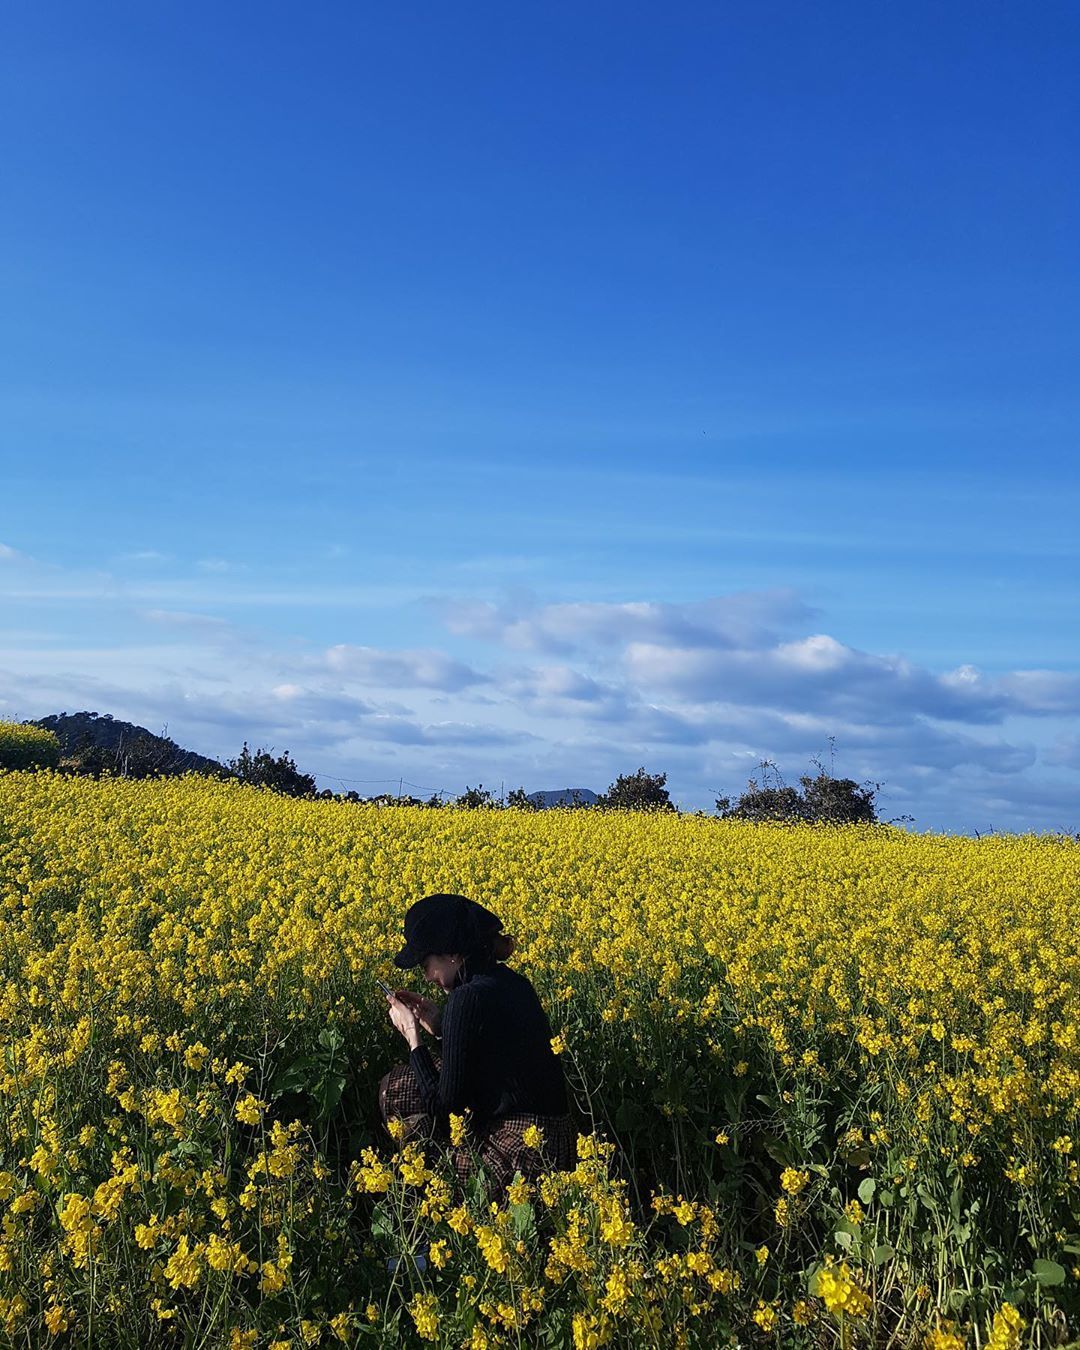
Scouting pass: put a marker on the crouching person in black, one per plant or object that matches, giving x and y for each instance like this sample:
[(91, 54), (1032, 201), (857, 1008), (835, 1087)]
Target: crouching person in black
[(495, 1059)]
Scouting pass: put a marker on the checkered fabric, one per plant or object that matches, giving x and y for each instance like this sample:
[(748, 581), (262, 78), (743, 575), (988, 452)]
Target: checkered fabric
[(501, 1148)]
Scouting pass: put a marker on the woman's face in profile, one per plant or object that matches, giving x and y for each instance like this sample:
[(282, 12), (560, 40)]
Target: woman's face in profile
[(442, 970)]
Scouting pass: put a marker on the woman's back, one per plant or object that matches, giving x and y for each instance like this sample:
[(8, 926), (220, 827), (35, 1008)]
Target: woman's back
[(497, 1037)]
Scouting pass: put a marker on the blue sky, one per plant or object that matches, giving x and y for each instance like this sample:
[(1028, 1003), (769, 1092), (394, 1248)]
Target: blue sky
[(525, 394)]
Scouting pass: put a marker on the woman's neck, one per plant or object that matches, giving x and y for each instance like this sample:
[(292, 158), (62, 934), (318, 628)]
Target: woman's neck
[(471, 967)]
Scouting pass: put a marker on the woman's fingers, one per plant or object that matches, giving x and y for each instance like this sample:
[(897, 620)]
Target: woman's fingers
[(404, 1019), (417, 1002), (414, 1008)]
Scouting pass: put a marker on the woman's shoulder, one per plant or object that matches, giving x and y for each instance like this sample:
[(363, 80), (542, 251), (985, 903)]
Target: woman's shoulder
[(491, 983), (516, 985)]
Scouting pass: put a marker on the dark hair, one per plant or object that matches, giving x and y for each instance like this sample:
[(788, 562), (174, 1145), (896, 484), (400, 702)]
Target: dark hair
[(503, 945), (483, 943)]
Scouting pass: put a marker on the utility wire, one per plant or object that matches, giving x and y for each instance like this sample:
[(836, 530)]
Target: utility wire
[(420, 787)]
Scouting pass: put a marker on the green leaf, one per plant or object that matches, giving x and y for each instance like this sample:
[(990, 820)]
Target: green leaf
[(843, 1239), (1048, 1272), (474, 1189), (777, 1150), (883, 1253), (886, 1198), (330, 1038), (867, 1187), (295, 1077), (856, 1157), (327, 1094)]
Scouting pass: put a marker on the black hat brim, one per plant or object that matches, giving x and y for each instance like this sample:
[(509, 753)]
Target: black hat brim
[(408, 956)]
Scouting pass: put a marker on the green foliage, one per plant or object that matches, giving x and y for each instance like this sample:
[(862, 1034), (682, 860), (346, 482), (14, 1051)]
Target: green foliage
[(319, 1076), (24, 746), (140, 756), (838, 801), (639, 791), (474, 798), (261, 769), (823, 800)]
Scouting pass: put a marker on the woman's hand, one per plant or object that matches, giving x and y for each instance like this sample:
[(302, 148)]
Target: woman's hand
[(405, 1020), (427, 1013)]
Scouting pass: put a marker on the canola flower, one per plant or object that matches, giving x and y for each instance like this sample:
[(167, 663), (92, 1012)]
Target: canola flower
[(178, 956), (842, 1293)]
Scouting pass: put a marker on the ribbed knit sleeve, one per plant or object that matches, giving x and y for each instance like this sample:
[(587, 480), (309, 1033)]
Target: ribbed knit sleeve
[(449, 1088)]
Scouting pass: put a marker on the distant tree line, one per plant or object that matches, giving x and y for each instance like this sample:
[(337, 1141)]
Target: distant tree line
[(86, 743), (820, 799)]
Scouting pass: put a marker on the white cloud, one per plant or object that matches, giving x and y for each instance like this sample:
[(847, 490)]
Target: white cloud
[(179, 618), (426, 669), (1042, 691), (743, 617), (818, 674), (1065, 752), (703, 689)]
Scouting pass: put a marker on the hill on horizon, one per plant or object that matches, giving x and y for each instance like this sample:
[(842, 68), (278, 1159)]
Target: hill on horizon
[(563, 797), (78, 731)]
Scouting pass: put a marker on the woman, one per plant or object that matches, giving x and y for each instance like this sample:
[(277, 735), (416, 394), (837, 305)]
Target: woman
[(496, 1058)]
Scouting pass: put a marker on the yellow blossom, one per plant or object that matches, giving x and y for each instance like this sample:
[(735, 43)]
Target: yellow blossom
[(57, 1319), (943, 1337), (424, 1311), (841, 1291), (1006, 1329), (766, 1316), (802, 1313), (249, 1109)]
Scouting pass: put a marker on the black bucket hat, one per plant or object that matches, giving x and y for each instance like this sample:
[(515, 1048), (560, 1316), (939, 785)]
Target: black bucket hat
[(444, 923)]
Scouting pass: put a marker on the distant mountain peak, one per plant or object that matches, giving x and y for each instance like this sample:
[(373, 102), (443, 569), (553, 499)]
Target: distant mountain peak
[(564, 797)]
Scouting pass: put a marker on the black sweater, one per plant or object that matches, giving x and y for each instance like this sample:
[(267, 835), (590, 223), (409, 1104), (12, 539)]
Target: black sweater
[(496, 1053)]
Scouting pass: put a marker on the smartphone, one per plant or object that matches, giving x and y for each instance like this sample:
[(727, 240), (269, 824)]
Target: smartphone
[(384, 987)]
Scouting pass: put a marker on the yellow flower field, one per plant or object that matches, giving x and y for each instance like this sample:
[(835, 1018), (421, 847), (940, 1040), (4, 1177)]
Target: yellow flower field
[(826, 1081)]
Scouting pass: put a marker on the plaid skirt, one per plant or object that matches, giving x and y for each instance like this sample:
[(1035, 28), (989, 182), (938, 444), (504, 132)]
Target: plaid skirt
[(501, 1147)]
